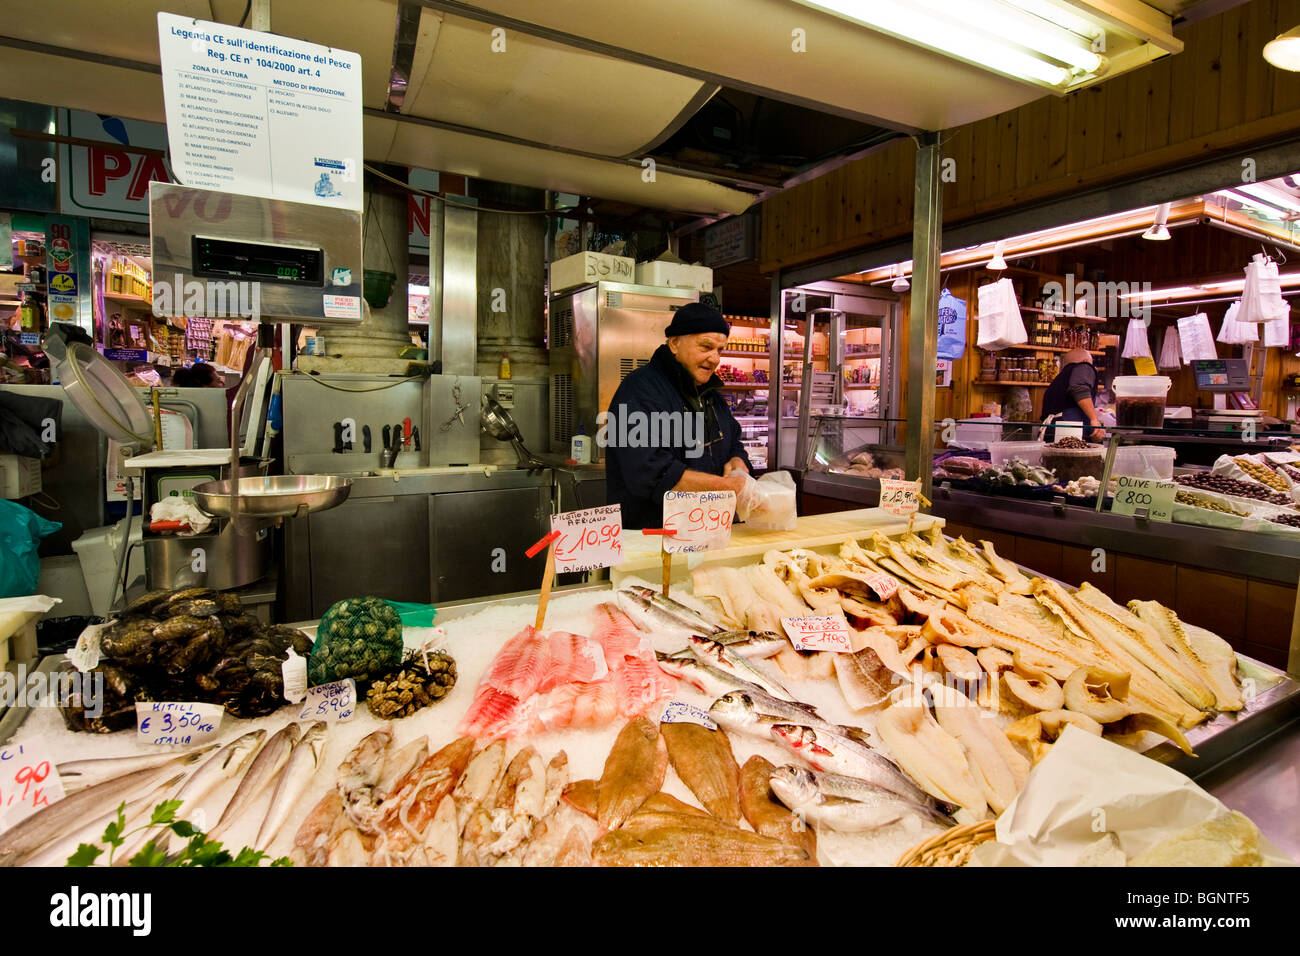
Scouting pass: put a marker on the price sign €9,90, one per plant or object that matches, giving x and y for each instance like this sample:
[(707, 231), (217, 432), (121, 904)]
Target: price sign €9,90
[(698, 520), (589, 539)]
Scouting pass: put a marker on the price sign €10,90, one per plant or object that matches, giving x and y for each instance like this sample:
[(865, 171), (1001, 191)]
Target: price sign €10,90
[(699, 520), (588, 539)]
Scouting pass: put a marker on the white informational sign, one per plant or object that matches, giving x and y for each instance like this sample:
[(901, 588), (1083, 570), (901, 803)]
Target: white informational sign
[(700, 520), (680, 712), (261, 114), (1136, 495), (589, 539), (28, 781), (823, 633), (177, 722), (294, 674), (333, 703), (901, 498)]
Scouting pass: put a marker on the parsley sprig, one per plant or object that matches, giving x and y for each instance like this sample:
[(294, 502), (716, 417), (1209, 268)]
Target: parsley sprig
[(198, 851)]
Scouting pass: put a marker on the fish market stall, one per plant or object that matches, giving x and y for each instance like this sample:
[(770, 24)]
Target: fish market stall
[(591, 738)]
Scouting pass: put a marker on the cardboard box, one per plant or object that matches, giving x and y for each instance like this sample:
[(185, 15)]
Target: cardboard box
[(19, 476), (674, 275), (589, 267)]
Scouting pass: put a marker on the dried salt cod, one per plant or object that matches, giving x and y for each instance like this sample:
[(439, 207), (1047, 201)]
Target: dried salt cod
[(1098, 694), (1011, 632), (1016, 582), (1209, 655), (945, 557), (996, 766), (1054, 722), (1032, 687), (932, 757)]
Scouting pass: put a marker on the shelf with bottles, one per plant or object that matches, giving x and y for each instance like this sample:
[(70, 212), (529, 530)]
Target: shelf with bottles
[(1046, 348)]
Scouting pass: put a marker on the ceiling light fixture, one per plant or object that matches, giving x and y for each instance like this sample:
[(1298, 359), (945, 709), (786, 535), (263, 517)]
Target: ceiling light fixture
[(997, 263), (1283, 51), (900, 283), (1159, 231), (988, 33), (1270, 194)]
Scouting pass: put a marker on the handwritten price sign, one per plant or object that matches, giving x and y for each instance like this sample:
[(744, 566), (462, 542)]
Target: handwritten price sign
[(588, 539), (827, 633), (28, 782), (176, 722), (680, 712), (900, 498), (334, 703), (1156, 497), (700, 520), (885, 585)]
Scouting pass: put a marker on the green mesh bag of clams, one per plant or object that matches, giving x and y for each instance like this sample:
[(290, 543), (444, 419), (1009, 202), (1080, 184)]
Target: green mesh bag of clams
[(359, 638)]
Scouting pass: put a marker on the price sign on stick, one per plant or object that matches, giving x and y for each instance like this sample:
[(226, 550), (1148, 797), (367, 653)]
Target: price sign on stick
[(589, 539), (28, 781), (177, 722), (699, 520), (900, 498), (335, 702), (1145, 498), (826, 633)]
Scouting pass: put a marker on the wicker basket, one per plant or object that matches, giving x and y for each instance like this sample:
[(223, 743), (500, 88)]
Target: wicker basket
[(950, 848)]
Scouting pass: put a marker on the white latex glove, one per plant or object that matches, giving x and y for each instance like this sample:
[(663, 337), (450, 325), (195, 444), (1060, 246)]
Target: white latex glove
[(748, 498)]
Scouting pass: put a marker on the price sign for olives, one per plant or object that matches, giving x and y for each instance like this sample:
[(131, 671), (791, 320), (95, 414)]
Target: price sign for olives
[(1144, 497)]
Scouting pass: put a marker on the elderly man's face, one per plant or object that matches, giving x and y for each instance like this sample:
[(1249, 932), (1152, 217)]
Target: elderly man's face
[(699, 354)]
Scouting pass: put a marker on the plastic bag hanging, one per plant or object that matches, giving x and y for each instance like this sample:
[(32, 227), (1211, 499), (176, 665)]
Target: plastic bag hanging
[(1000, 325), (1234, 331), (1277, 333), (1136, 344), (1195, 338), (1171, 355)]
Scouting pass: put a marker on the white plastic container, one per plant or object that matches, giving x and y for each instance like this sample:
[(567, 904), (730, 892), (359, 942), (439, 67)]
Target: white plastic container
[(1144, 461), (1140, 400), (977, 435), (580, 448), (588, 267), (1030, 451), (674, 275), (97, 549)]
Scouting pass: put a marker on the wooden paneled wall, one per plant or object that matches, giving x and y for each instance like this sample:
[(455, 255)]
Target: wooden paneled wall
[(1218, 95)]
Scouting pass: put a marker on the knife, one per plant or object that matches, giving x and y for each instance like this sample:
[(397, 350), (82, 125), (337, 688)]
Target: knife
[(415, 437), (365, 438), (338, 438)]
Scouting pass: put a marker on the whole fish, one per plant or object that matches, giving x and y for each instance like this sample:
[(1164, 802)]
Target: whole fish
[(704, 762), (843, 803), (765, 813), (825, 750), (223, 766), (634, 769), (694, 846), (723, 658), (293, 780), (57, 851), (752, 645), (50, 823), (652, 619), (756, 713), (259, 775), (714, 681), (687, 615), (79, 773)]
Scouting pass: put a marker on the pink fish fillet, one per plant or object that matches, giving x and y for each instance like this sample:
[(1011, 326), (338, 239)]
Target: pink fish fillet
[(489, 714), (571, 658), (520, 666), (574, 705), (640, 684), (618, 635)]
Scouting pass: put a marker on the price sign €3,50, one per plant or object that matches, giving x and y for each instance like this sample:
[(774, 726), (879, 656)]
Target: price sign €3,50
[(589, 539)]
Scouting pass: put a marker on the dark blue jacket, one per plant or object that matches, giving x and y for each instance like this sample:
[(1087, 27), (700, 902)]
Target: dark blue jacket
[(643, 462)]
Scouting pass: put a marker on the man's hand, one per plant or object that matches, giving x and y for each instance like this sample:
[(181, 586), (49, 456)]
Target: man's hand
[(735, 466), (1098, 433)]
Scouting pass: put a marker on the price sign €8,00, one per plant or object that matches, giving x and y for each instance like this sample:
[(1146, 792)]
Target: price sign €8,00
[(698, 520), (589, 539), (1136, 495)]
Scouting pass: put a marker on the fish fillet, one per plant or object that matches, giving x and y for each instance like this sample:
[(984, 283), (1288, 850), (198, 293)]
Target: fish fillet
[(634, 769), (1210, 655), (773, 590), (709, 583), (703, 760), (571, 658), (767, 814), (1016, 582), (1143, 642), (864, 679), (932, 757), (997, 768), (520, 665)]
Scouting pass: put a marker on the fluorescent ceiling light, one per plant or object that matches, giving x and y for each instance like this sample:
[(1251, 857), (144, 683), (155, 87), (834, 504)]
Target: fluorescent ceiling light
[(987, 33), (1213, 288), (1061, 16), (417, 290), (997, 263), (1283, 51), (1159, 230), (1244, 199), (1270, 194)]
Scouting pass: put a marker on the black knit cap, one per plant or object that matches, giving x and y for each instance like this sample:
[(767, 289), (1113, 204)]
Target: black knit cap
[(695, 318)]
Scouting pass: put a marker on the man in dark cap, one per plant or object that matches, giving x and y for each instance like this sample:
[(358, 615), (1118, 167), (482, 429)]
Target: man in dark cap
[(668, 427)]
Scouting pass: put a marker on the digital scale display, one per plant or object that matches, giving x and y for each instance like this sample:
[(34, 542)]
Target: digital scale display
[(258, 262), (1221, 375)]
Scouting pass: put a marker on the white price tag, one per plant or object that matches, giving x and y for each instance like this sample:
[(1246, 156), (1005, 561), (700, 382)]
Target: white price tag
[(28, 781), (826, 633), (680, 712), (1134, 495), (588, 539), (334, 703), (294, 673), (901, 498), (885, 585), (700, 520), (177, 722)]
